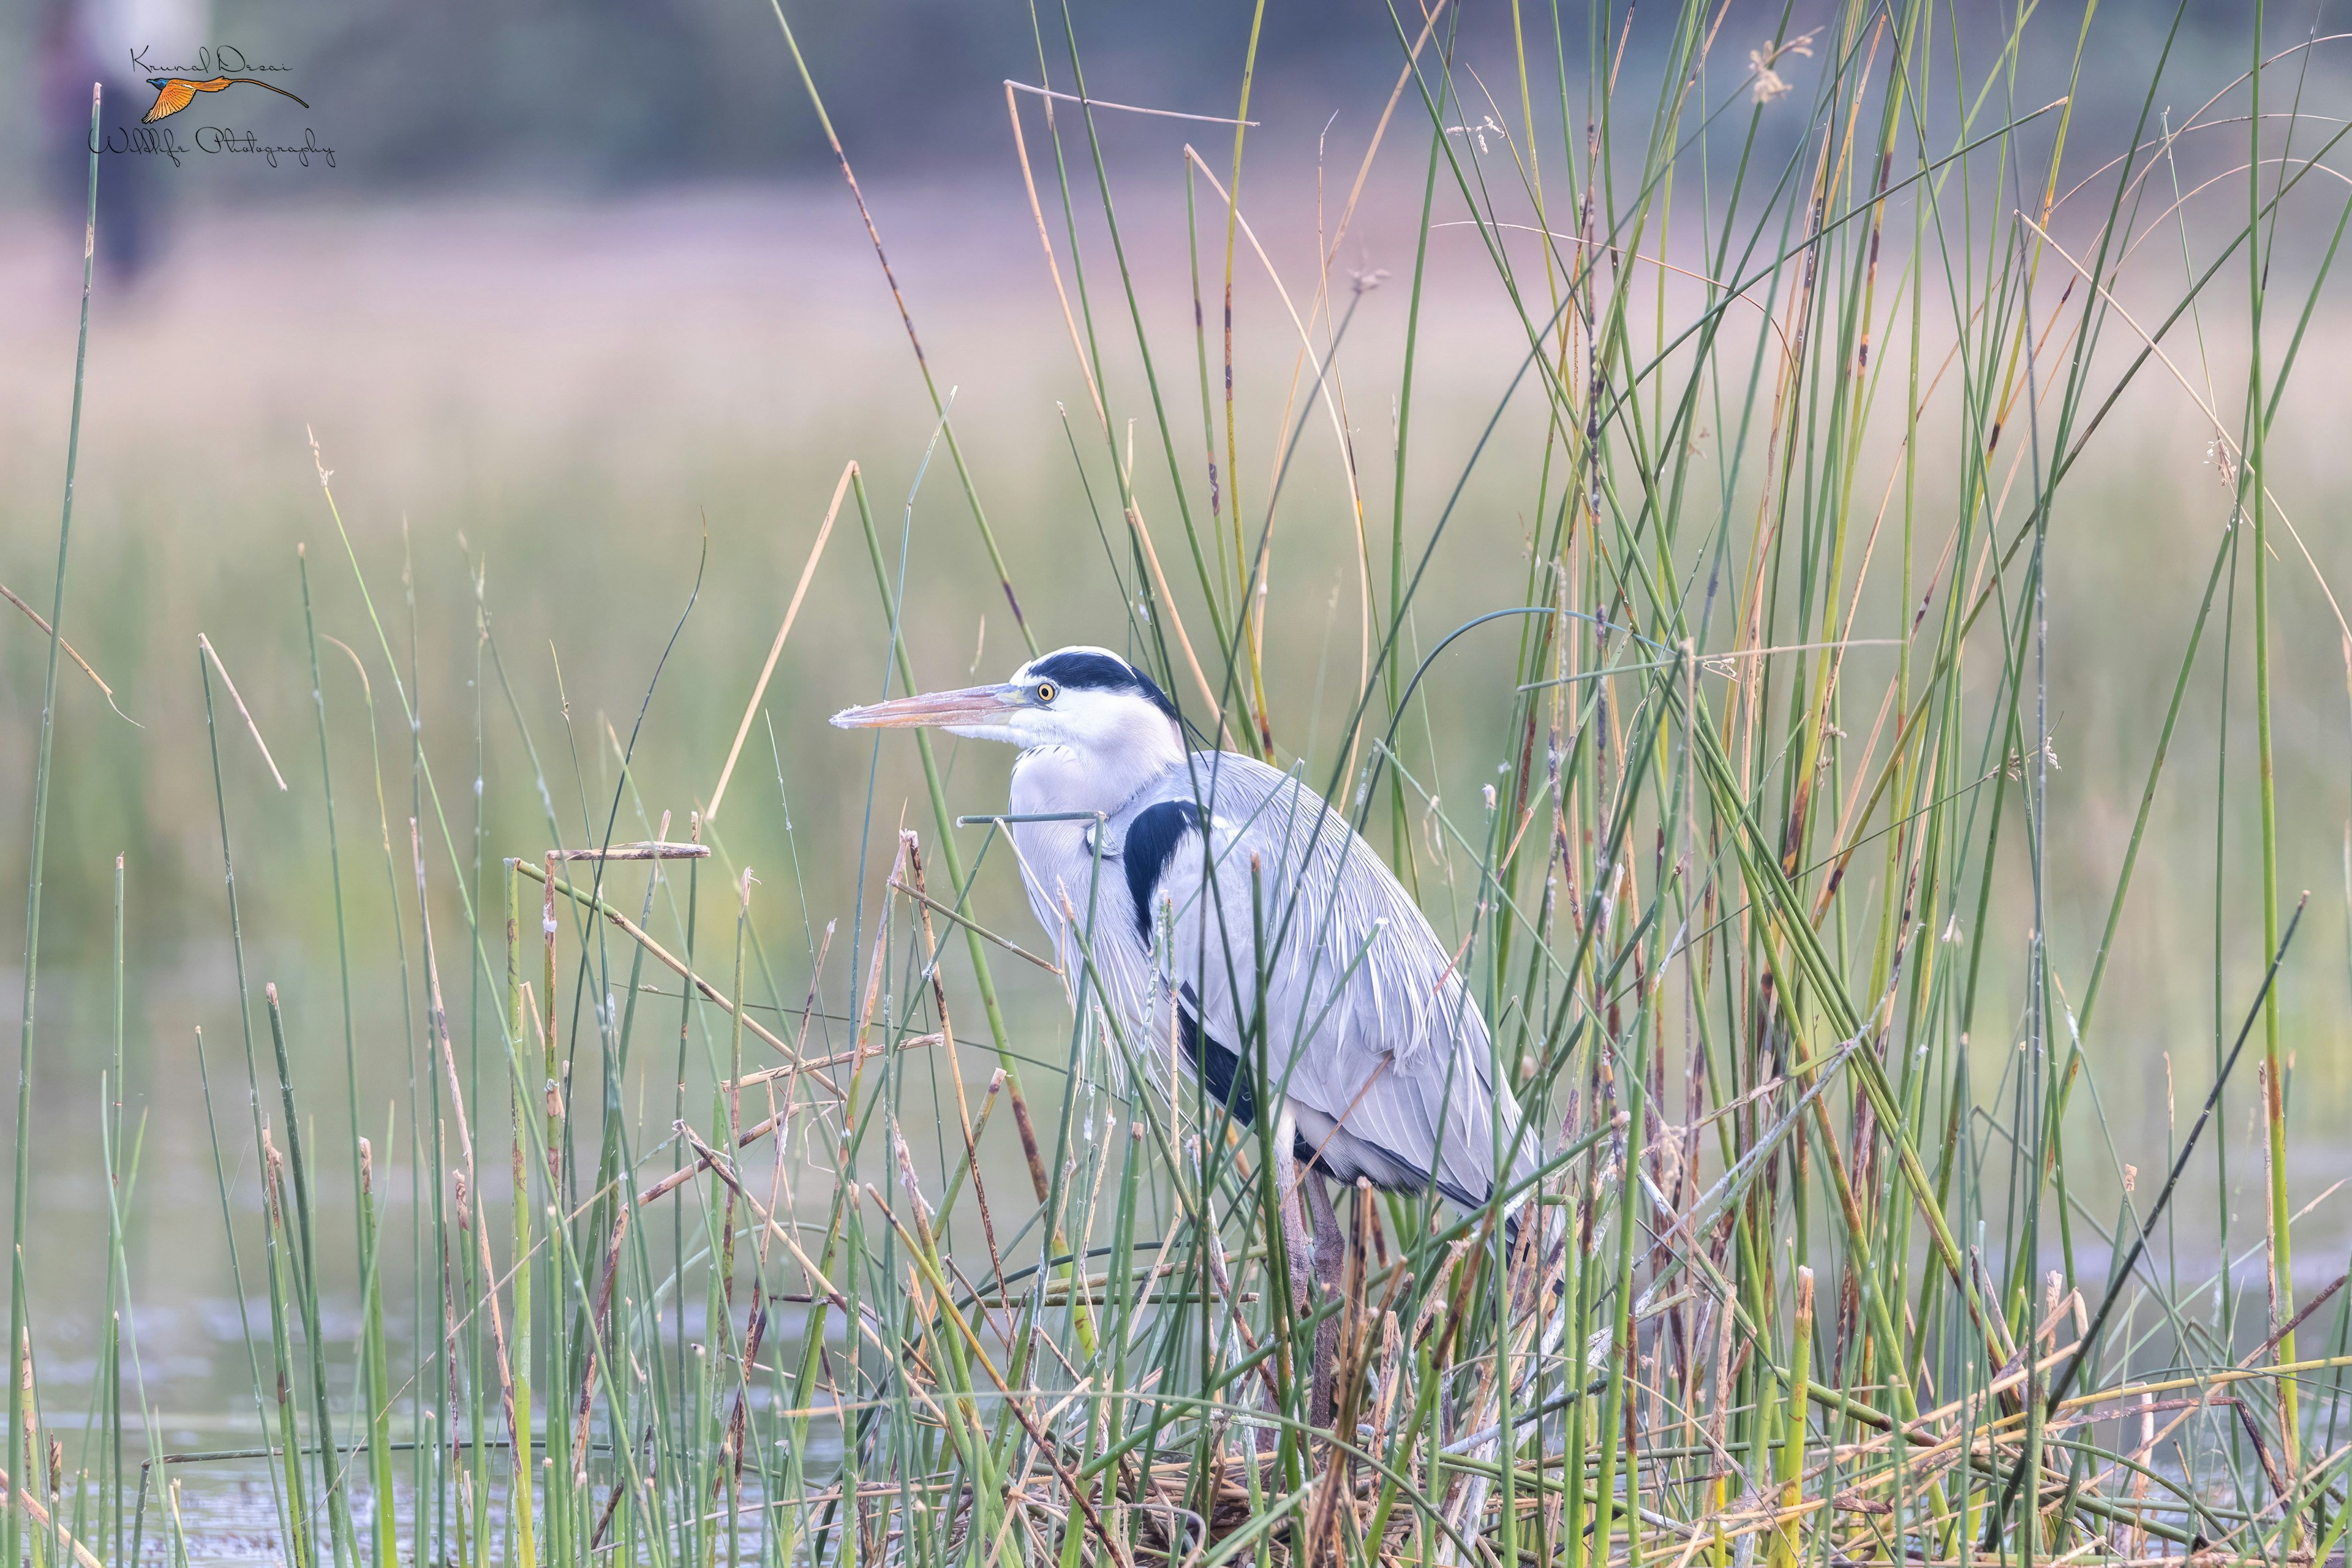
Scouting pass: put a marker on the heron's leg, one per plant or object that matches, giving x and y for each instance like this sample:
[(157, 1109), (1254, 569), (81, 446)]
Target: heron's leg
[(1331, 1252), (1296, 1245)]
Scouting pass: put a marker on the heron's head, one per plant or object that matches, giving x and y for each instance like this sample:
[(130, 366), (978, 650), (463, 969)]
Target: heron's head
[(1087, 698)]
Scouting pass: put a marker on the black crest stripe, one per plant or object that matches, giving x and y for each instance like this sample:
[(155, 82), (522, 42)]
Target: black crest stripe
[(1086, 671), (1151, 839), (1101, 672)]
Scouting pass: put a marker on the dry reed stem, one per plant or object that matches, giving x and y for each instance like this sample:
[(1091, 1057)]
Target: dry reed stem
[(481, 1223), (42, 622), (206, 643), (651, 850), (636, 933), (776, 648)]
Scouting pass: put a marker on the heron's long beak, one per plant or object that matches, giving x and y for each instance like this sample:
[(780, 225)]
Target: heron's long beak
[(974, 707)]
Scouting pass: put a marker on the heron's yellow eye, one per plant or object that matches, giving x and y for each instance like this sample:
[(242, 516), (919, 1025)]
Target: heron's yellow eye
[(1044, 691)]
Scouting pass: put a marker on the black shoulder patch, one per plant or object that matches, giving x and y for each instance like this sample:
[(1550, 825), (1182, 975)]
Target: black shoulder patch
[(1150, 840), (1101, 672), (1222, 1073)]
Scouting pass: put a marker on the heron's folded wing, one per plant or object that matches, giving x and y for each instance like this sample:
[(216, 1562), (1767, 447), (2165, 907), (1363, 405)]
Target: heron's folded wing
[(1274, 902)]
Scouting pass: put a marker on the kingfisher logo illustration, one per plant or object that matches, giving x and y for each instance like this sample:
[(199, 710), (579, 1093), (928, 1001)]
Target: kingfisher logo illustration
[(174, 93), (178, 88)]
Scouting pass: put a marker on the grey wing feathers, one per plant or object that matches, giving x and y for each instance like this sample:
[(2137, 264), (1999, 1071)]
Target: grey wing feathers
[(1390, 1069)]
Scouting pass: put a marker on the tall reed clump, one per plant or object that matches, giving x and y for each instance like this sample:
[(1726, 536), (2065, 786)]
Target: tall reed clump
[(725, 1238)]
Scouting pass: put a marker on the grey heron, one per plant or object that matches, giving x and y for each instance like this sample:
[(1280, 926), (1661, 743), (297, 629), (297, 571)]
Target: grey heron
[(1198, 883)]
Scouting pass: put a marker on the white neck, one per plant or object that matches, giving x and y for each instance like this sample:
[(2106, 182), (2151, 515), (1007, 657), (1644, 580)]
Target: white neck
[(1102, 776)]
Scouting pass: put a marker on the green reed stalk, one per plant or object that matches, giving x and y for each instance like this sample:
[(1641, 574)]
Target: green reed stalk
[(374, 1383), (375, 1361), (118, 1279), (2255, 486), (126, 1339), (277, 1261), (22, 1421), (308, 1287), (519, 1501), (293, 1508)]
